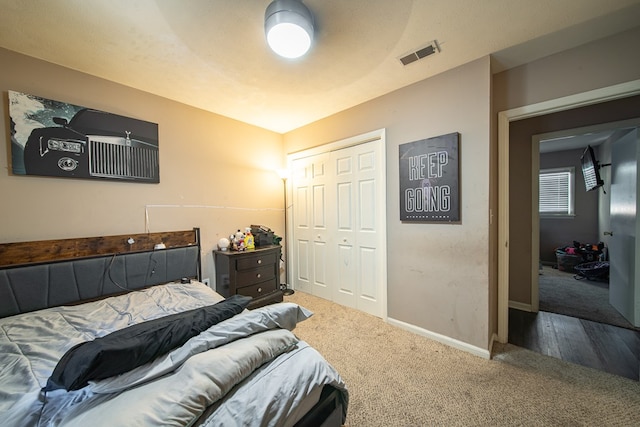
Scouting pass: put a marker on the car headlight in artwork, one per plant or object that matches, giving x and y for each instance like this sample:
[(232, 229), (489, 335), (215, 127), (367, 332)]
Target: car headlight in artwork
[(67, 164), (64, 145)]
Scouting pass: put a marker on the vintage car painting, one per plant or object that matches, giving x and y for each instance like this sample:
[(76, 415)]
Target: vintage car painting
[(94, 144)]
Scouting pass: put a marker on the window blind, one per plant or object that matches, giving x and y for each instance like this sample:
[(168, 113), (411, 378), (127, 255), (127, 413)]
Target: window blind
[(556, 192)]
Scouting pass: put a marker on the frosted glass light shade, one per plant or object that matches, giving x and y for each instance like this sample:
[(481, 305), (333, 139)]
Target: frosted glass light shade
[(289, 40), (288, 27)]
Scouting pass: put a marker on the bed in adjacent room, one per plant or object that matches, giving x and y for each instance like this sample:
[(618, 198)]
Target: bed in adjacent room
[(109, 331)]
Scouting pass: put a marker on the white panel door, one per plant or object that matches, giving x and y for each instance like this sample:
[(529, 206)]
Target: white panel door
[(339, 224), (624, 283), (345, 291), (310, 231), (358, 227), (301, 267), (321, 175)]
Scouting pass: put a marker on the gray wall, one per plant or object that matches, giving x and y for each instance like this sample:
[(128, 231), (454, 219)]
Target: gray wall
[(583, 225), (438, 274), (200, 156)]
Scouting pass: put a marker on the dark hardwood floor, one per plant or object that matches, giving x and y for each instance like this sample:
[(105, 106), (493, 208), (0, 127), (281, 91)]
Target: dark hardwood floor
[(596, 345)]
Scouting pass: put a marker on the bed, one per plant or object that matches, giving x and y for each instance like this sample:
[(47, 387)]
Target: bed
[(119, 330)]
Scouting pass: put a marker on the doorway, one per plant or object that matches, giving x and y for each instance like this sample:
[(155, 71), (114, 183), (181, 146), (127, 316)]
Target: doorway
[(585, 221), (338, 226), (504, 120)]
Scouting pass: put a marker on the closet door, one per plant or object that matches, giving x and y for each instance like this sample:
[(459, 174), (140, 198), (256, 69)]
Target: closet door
[(357, 226), (339, 234), (311, 232)]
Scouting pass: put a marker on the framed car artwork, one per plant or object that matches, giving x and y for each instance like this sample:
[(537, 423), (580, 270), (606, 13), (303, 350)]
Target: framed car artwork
[(53, 138)]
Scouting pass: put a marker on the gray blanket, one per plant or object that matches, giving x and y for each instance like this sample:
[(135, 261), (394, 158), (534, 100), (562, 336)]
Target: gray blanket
[(247, 370)]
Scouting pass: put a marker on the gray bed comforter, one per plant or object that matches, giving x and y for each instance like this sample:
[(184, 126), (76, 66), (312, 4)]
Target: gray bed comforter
[(247, 370)]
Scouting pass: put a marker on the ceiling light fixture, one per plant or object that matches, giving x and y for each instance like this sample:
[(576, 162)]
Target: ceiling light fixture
[(288, 26)]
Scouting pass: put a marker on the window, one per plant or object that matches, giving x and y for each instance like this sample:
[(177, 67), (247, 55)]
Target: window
[(556, 191)]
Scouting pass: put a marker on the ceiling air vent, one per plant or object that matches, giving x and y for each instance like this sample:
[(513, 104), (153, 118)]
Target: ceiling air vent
[(423, 52)]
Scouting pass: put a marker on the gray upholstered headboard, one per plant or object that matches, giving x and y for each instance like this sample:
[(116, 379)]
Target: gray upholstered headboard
[(31, 287)]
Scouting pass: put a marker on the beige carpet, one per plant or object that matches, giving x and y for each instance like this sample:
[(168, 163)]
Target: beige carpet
[(397, 378)]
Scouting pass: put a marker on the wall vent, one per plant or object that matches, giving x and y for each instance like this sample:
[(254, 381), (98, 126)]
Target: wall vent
[(421, 53)]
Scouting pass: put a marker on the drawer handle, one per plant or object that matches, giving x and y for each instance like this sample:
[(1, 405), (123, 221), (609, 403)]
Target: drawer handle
[(259, 290), (259, 261), (258, 275)]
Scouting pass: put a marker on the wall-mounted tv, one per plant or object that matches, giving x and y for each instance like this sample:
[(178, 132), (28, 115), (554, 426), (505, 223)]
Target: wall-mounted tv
[(590, 169)]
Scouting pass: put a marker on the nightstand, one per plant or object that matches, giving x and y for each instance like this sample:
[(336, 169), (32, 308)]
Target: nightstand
[(254, 273)]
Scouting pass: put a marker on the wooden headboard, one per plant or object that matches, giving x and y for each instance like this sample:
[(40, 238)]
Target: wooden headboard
[(40, 251), (43, 274)]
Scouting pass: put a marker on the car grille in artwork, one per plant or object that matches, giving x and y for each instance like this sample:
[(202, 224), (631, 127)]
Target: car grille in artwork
[(118, 160)]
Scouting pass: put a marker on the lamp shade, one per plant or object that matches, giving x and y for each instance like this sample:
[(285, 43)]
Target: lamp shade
[(288, 27), (283, 173)]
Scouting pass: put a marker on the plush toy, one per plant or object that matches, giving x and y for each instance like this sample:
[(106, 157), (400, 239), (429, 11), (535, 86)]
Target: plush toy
[(249, 242), (238, 241), (224, 244)]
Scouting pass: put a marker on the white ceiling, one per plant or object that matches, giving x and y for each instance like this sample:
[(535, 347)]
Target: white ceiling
[(573, 139), (577, 141), (211, 54)]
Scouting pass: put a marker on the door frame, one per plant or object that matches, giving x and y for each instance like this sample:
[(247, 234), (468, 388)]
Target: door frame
[(376, 135), (595, 96)]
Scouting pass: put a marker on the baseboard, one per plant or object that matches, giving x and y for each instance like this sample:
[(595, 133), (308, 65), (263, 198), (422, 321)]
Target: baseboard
[(460, 345), (520, 306)]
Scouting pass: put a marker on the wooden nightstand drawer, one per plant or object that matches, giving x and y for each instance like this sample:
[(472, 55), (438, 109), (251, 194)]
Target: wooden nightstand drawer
[(257, 260), (249, 277), (259, 289), (253, 273)]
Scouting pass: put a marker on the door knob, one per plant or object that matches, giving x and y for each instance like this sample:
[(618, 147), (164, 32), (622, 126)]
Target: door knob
[(608, 233)]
